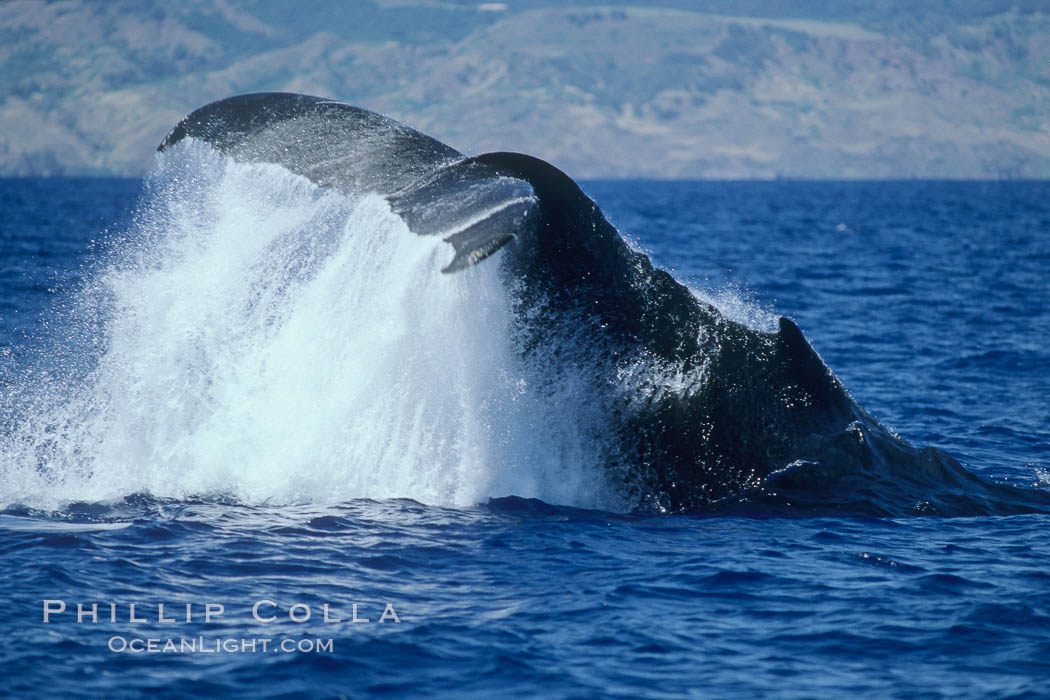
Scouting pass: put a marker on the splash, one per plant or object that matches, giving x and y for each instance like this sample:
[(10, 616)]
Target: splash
[(258, 338)]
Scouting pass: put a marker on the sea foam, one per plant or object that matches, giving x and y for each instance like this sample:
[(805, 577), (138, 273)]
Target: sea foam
[(255, 337)]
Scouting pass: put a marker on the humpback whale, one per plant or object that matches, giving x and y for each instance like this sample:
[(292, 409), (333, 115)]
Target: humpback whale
[(725, 417)]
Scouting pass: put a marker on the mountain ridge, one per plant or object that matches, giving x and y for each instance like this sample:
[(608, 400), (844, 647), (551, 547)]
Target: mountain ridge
[(610, 90)]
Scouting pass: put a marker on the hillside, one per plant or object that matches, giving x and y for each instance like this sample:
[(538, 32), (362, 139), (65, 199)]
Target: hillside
[(602, 91)]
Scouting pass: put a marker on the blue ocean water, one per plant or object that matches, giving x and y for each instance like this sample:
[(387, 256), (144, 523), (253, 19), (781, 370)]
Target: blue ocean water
[(930, 300)]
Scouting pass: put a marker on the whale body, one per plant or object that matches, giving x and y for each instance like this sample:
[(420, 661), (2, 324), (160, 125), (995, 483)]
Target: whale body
[(724, 418)]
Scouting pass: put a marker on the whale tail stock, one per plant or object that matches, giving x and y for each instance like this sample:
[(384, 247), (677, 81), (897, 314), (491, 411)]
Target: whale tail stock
[(723, 413)]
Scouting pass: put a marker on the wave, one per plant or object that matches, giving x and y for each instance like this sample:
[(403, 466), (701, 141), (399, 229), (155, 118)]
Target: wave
[(268, 340), (278, 327)]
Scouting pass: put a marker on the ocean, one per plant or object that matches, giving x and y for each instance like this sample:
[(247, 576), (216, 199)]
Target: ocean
[(245, 452)]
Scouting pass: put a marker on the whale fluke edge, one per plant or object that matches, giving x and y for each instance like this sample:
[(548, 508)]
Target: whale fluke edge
[(737, 420), (435, 189)]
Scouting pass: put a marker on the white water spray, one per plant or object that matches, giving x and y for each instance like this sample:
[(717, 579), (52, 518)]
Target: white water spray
[(272, 342)]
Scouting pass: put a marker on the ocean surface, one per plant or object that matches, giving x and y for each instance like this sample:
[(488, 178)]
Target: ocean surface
[(211, 400)]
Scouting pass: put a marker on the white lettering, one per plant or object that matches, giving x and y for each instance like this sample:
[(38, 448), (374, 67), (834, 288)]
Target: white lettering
[(82, 613), (50, 610), (299, 606), (324, 608), (255, 611), (160, 614), (389, 614), (210, 609)]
